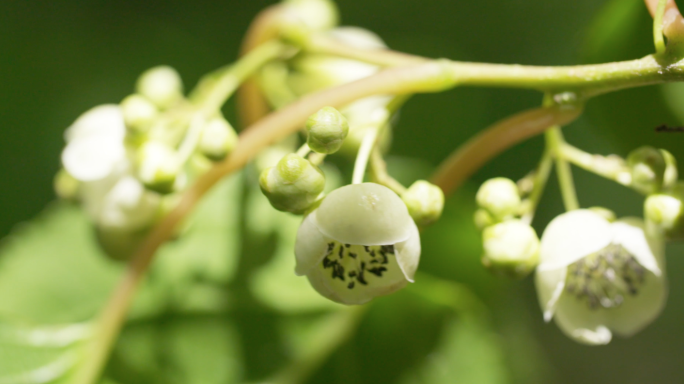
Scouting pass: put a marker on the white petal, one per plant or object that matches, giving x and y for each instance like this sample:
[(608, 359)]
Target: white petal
[(571, 236), (550, 285), (103, 120), (638, 311), (310, 245), (365, 214), (630, 233), (93, 158), (408, 253), (128, 206), (577, 320)]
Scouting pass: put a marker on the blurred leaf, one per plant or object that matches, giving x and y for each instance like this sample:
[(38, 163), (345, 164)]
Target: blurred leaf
[(275, 284), (612, 31), (51, 270), (178, 350), (468, 352), (33, 355)]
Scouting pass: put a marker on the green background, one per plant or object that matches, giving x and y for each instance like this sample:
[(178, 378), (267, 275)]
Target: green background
[(59, 58)]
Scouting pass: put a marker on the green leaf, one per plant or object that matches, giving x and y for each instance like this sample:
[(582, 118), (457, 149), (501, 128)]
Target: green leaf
[(178, 350), (468, 352), (32, 355)]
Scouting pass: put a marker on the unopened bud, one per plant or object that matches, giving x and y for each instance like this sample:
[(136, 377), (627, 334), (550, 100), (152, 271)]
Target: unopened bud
[(118, 244), (425, 202), (66, 186), (157, 166), (647, 166), (138, 113), (483, 219), (293, 184), (604, 212), (671, 173), (315, 15), (499, 196), (664, 212), (327, 130), (511, 248), (161, 85), (218, 139)]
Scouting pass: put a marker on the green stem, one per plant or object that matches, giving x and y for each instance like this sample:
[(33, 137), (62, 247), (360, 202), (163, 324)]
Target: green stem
[(554, 141), (612, 168), (337, 330), (541, 176), (658, 38), (211, 93), (367, 145), (303, 150), (379, 174)]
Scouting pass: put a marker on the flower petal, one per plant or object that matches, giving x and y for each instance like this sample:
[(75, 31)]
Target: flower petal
[(93, 158), (310, 245), (408, 253), (364, 214), (578, 321), (638, 311), (571, 236), (630, 233), (102, 120), (550, 285)]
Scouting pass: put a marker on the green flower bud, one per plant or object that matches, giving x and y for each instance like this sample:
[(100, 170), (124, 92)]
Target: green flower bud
[(664, 212), (647, 166), (425, 202), (315, 15), (671, 174), (66, 186), (511, 248), (327, 129), (483, 219), (605, 213), (499, 196), (138, 113), (218, 139), (293, 184), (157, 166), (161, 85), (119, 244)]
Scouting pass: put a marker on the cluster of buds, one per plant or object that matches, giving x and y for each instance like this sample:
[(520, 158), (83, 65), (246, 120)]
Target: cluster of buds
[(511, 245), (359, 241), (127, 163)]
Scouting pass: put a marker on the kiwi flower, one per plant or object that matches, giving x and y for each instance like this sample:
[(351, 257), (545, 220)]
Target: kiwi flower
[(358, 244)]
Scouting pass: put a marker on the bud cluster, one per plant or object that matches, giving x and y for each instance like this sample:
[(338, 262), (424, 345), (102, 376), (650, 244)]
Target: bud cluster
[(127, 163), (511, 245)]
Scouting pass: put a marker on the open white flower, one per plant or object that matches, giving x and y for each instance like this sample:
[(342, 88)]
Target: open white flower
[(358, 244), (597, 278)]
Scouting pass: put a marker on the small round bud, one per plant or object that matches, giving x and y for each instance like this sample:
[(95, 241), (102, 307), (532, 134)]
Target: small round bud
[(647, 166), (671, 173), (218, 139), (293, 184), (605, 213), (499, 196), (157, 166), (511, 248), (665, 212), (118, 244), (327, 130), (66, 186), (162, 85), (315, 15), (425, 202), (138, 113), (483, 219)]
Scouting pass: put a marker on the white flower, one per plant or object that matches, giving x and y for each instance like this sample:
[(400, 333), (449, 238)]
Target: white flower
[(597, 278), (95, 144), (359, 243)]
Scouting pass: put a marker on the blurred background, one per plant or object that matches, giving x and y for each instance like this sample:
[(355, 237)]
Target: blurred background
[(60, 58)]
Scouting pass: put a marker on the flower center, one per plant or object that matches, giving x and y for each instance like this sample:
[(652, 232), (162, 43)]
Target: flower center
[(355, 265), (605, 277)]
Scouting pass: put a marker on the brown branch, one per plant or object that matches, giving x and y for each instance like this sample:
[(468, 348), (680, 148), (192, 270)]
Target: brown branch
[(476, 152), (251, 103)]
